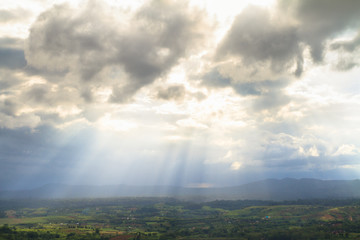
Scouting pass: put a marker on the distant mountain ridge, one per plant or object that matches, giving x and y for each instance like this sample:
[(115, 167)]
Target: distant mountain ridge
[(270, 189)]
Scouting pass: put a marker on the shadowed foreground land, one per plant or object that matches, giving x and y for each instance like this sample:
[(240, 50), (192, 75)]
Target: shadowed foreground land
[(167, 218)]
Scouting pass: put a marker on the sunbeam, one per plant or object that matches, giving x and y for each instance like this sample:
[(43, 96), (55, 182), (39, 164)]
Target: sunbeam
[(180, 93)]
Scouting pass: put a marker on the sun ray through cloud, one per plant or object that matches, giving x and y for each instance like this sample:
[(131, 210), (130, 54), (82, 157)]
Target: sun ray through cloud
[(183, 93)]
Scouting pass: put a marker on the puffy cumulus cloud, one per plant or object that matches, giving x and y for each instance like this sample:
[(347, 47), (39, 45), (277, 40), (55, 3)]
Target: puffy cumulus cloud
[(257, 36), (31, 101), (13, 113), (258, 57), (346, 150), (269, 44), (10, 106), (300, 127), (129, 49), (306, 152), (319, 21)]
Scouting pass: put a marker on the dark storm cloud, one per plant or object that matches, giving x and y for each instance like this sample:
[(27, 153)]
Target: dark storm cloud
[(321, 20), (144, 45), (176, 92), (256, 37)]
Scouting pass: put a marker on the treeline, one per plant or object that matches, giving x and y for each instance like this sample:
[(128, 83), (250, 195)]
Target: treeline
[(11, 233), (84, 203), (7, 233), (145, 201)]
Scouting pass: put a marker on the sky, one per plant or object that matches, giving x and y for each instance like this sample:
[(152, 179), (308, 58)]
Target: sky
[(188, 93)]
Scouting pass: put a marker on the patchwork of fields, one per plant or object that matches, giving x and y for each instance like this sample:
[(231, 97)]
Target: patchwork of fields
[(166, 218)]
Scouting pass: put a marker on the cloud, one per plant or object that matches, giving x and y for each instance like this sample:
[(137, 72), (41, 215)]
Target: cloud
[(346, 149), (151, 86), (346, 64), (215, 79), (10, 121), (7, 42), (7, 81), (258, 57), (8, 107), (235, 166), (176, 92), (261, 94), (265, 50), (271, 100), (319, 21), (349, 45), (191, 123), (13, 15), (12, 58), (256, 36), (129, 49), (48, 95), (348, 53)]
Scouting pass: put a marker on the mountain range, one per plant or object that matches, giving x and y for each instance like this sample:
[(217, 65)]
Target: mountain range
[(270, 189)]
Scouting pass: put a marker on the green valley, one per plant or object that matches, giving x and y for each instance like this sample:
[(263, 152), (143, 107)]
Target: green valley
[(168, 218)]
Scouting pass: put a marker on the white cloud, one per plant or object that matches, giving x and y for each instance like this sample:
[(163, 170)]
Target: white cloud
[(235, 166), (346, 149), (190, 123)]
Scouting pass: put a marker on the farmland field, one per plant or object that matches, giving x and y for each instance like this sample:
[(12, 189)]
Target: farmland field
[(167, 218)]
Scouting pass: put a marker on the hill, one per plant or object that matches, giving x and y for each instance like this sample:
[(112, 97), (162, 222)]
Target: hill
[(270, 189)]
